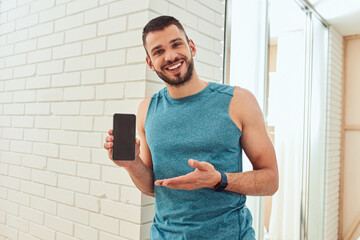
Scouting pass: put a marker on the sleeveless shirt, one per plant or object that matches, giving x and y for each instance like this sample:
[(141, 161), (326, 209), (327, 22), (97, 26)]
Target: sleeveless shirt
[(195, 127)]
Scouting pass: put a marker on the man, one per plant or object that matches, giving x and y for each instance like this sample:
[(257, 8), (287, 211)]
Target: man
[(192, 134)]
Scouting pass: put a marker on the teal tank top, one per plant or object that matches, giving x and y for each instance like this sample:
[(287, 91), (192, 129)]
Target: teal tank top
[(197, 127)]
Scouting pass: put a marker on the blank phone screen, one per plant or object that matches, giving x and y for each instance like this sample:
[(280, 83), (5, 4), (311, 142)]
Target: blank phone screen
[(124, 137)]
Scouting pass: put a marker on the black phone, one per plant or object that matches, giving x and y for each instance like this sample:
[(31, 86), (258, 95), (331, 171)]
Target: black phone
[(124, 130)]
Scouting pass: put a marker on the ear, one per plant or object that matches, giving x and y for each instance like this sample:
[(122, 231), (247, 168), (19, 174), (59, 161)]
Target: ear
[(149, 63), (192, 48)]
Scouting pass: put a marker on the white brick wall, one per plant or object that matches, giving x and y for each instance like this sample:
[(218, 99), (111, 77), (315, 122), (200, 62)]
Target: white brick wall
[(66, 66)]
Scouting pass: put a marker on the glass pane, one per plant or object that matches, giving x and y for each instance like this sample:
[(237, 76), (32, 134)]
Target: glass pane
[(248, 42), (247, 66), (318, 131), (285, 116)]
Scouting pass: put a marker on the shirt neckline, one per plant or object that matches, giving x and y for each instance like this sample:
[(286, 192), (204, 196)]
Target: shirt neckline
[(187, 98)]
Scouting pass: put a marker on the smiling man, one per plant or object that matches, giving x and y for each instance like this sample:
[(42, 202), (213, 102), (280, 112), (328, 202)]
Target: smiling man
[(177, 69), (192, 135)]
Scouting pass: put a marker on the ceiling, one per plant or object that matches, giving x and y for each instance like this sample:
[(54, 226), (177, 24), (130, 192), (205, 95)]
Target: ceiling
[(344, 15)]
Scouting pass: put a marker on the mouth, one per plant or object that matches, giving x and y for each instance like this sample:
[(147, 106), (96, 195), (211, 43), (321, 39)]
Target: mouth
[(174, 68)]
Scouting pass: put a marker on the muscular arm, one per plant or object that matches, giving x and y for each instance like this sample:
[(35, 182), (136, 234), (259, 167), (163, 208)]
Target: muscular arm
[(141, 171), (142, 176), (263, 180)]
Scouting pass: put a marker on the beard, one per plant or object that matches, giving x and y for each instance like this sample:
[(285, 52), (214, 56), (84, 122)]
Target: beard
[(179, 80)]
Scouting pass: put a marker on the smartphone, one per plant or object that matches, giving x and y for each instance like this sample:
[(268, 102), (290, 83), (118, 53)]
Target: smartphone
[(124, 130)]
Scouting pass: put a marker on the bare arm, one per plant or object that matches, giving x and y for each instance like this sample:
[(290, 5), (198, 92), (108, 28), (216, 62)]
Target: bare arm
[(140, 170), (263, 180)]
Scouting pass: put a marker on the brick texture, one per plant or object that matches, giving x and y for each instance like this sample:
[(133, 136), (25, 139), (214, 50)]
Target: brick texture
[(65, 68)]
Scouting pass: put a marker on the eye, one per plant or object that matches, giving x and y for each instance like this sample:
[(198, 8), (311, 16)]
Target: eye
[(177, 44), (158, 52)]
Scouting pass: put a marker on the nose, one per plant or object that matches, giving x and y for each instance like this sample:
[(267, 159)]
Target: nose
[(170, 55)]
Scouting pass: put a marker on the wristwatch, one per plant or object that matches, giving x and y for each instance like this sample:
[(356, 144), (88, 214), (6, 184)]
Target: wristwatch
[(222, 184)]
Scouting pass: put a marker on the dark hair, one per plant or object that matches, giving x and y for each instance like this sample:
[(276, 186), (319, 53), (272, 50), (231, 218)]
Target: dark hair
[(159, 23)]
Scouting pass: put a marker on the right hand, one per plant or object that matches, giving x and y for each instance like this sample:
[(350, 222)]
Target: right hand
[(108, 145)]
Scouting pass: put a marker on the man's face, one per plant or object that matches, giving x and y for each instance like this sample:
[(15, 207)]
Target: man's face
[(170, 55)]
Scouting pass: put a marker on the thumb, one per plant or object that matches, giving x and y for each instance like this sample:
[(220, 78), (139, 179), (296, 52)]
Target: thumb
[(199, 165)]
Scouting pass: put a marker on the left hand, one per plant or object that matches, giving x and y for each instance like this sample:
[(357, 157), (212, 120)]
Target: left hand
[(204, 176)]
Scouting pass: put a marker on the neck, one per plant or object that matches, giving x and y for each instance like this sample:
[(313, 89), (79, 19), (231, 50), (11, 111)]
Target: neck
[(191, 87)]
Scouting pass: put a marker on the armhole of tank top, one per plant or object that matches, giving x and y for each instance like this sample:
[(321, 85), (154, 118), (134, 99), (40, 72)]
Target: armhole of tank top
[(148, 112), (228, 110)]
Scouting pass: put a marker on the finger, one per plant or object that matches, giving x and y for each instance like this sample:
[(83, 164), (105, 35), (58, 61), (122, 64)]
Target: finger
[(199, 165), (178, 182), (137, 141), (110, 153), (110, 132), (109, 138), (184, 182), (108, 145), (164, 182), (159, 182)]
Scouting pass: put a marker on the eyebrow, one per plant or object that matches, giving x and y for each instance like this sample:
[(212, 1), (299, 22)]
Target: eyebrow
[(171, 41)]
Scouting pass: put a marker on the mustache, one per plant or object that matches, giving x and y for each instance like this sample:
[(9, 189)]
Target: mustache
[(171, 62)]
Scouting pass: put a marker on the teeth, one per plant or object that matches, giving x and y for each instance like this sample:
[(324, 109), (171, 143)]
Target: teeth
[(175, 66)]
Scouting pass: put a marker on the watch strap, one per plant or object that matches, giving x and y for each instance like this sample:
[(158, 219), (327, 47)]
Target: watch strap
[(223, 183)]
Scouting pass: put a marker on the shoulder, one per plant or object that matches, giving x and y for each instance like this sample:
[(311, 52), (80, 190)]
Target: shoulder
[(142, 111), (144, 104), (243, 97), (244, 107)]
